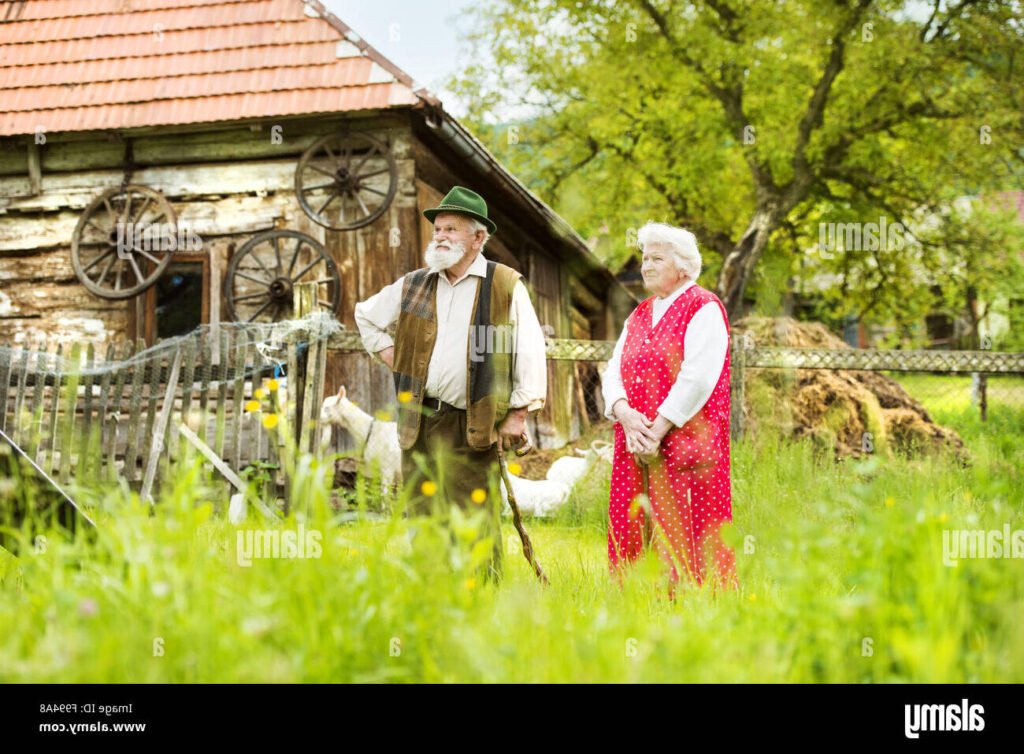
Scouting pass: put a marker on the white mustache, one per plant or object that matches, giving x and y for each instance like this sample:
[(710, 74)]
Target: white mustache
[(439, 259)]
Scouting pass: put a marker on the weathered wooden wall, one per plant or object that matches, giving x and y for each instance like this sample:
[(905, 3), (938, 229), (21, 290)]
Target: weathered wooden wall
[(226, 185), (231, 183)]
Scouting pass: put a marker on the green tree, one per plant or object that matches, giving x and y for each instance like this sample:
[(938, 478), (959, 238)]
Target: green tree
[(980, 265), (750, 121)]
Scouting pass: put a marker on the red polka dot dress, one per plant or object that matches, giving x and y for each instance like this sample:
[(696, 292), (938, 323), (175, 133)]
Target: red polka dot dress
[(689, 486)]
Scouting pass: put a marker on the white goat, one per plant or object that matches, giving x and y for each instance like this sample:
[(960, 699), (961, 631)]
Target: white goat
[(571, 469), (535, 497), (379, 440)]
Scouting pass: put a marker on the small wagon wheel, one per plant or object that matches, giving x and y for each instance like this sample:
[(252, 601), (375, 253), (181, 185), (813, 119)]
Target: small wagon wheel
[(345, 181), (265, 270), (115, 249)]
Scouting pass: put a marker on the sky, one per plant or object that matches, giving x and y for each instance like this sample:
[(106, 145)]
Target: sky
[(420, 36)]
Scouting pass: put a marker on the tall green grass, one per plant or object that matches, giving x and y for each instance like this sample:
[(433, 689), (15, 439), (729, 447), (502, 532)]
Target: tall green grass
[(841, 570)]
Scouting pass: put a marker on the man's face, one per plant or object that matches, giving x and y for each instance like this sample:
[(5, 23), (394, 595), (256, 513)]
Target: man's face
[(452, 228), (452, 240), (661, 276)]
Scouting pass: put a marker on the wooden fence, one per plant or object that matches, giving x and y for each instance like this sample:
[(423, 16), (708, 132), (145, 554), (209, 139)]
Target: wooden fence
[(121, 421), (124, 421)]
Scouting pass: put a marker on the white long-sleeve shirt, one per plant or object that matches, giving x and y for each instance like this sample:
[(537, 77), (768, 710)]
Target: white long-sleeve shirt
[(704, 349), (447, 370)]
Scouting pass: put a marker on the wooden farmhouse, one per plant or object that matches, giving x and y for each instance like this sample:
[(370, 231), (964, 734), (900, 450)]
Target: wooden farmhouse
[(171, 163)]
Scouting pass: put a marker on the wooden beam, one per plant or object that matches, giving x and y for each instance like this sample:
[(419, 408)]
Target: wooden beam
[(35, 174), (219, 464), (589, 303), (161, 429)]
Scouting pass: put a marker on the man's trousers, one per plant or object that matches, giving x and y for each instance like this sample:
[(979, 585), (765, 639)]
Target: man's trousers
[(458, 471)]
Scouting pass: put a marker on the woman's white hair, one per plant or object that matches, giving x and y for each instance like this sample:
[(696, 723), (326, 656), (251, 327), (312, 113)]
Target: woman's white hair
[(682, 241)]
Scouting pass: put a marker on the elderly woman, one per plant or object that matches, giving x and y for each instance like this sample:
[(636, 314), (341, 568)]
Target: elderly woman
[(667, 389)]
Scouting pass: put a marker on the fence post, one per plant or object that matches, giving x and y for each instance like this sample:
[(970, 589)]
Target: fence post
[(161, 430), (315, 363), (738, 362)]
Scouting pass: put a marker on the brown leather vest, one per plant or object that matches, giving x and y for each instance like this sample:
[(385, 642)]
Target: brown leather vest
[(489, 376)]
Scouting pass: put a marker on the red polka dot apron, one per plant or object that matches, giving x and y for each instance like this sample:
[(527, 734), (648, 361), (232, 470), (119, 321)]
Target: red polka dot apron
[(688, 483)]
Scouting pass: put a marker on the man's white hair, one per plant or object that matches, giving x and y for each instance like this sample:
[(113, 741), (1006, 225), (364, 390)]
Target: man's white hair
[(474, 226), (682, 242)]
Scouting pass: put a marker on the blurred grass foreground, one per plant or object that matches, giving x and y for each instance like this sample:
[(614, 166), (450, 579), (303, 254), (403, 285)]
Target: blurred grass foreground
[(841, 567)]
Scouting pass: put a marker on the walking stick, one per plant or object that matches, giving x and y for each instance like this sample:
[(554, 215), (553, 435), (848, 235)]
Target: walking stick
[(517, 517)]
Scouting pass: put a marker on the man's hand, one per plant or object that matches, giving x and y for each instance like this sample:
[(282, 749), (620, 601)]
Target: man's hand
[(388, 357), (512, 429)]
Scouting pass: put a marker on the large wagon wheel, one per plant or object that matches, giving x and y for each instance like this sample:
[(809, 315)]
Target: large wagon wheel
[(345, 181), (266, 269), (118, 267)]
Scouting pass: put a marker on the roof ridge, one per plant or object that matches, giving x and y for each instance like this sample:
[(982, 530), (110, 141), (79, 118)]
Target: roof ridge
[(348, 32)]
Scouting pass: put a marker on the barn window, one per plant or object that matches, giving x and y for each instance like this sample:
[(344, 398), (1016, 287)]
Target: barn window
[(179, 302)]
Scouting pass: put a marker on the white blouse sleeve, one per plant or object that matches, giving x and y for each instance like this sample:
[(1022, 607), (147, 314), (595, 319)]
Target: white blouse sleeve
[(611, 381), (530, 373)]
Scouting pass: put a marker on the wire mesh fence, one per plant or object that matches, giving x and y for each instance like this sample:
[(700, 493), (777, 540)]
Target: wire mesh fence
[(798, 389), (978, 394), (854, 400)]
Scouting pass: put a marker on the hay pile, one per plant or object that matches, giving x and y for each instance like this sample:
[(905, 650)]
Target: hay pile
[(853, 413)]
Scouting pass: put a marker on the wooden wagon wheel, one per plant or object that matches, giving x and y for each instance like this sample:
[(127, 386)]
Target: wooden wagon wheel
[(264, 271), (345, 181), (121, 265)]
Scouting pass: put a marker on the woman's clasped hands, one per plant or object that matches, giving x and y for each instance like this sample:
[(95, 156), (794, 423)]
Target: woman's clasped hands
[(643, 435)]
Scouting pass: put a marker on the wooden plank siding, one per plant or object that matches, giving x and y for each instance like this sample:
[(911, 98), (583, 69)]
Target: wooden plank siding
[(227, 183)]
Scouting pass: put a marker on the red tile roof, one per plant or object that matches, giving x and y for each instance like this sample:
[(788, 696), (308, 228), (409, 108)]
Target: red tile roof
[(79, 65)]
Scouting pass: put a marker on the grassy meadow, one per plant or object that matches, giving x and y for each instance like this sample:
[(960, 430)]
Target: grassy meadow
[(841, 569)]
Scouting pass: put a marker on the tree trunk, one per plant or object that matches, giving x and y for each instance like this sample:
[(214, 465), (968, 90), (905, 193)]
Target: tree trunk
[(739, 264)]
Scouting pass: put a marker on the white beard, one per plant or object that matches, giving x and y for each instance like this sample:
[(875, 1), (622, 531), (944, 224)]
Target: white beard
[(439, 259)]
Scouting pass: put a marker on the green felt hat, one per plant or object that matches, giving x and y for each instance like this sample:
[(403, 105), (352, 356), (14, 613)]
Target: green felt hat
[(465, 202)]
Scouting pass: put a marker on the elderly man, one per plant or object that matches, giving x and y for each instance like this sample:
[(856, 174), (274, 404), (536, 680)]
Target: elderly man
[(468, 358), (667, 387)]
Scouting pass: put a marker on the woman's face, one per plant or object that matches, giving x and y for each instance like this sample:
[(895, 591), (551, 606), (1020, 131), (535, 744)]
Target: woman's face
[(661, 276)]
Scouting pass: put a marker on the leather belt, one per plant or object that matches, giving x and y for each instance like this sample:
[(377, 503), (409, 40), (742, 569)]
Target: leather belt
[(438, 406)]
